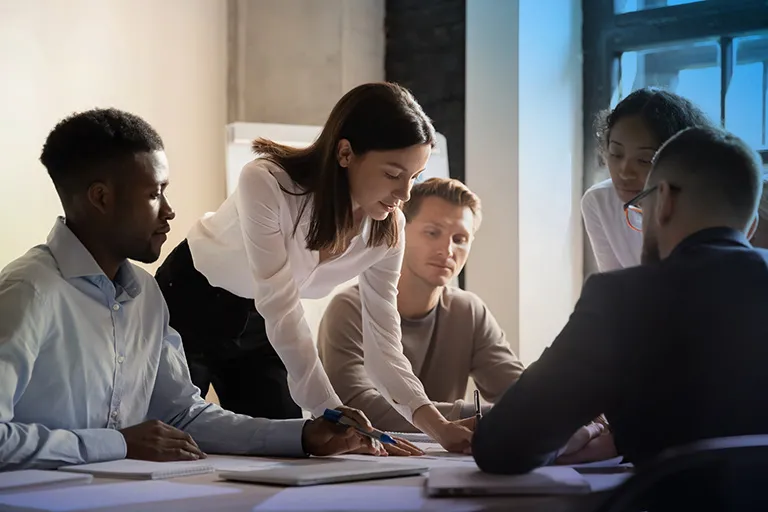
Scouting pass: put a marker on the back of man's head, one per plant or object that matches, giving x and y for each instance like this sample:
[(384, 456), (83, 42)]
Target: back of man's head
[(718, 176)]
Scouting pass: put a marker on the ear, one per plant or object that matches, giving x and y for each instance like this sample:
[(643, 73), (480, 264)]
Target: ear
[(101, 196), (664, 204), (753, 227), (344, 153)]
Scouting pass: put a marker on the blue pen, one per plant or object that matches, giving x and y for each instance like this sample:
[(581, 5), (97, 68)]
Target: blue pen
[(335, 416)]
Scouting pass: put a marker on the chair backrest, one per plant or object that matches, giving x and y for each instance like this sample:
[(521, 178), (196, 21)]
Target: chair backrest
[(729, 473)]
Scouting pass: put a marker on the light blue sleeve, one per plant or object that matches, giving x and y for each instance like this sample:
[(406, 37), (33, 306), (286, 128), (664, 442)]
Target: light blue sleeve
[(23, 328), (176, 401)]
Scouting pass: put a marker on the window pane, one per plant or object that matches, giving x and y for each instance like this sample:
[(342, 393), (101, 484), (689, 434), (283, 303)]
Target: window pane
[(691, 70), (745, 102), (624, 6)]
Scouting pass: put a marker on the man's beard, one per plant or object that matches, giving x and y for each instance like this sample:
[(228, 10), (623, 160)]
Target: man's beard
[(650, 252)]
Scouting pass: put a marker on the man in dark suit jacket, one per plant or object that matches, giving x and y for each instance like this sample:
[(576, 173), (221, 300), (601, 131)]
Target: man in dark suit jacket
[(672, 351)]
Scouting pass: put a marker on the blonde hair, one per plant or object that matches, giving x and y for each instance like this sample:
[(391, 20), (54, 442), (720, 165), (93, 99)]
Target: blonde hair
[(451, 190)]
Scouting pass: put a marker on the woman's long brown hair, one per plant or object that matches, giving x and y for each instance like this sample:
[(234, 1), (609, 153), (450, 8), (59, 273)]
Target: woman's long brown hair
[(372, 117)]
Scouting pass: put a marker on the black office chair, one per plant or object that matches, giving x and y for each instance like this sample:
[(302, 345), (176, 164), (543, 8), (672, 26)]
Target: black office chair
[(723, 474)]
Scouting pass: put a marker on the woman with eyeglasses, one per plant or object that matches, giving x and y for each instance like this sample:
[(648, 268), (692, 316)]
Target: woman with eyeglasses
[(628, 136)]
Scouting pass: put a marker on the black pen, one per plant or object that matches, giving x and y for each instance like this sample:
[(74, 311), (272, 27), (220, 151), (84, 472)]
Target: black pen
[(478, 414)]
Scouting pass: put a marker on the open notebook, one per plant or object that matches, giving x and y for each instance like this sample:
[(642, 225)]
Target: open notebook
[(141, 470)]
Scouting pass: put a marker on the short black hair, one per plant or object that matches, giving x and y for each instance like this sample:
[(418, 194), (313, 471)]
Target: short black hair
[(664, 113), (719, 169), (86, 143)]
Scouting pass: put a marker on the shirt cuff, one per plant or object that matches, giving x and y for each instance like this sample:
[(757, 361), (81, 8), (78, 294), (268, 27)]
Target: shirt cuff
[(282, 438), (332, 403), (101, 444)]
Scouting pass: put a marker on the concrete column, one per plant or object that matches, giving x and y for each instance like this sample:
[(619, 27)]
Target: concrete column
[(524, 160), (291, 60)]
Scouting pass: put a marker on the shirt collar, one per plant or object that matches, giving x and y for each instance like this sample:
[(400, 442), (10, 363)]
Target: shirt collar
[(75, 261), (721, 235)]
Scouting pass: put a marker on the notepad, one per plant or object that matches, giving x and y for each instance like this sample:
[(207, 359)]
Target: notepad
[(141, 470), (469, 481), (26, 478)]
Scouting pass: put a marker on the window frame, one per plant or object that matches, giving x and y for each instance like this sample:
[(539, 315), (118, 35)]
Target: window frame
[(606, 36)]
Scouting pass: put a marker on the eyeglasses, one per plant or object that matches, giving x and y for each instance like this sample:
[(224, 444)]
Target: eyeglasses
[(634, 213)]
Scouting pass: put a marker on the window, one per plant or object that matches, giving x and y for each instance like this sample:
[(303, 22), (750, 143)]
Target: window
[(715, 52), (623, 6)]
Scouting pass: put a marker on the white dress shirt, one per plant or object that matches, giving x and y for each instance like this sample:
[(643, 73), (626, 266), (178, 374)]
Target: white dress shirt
[(614, 243), (248, 247), (82, 356)]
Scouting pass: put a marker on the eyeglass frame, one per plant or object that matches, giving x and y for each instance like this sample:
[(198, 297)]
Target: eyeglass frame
[(632, 204)]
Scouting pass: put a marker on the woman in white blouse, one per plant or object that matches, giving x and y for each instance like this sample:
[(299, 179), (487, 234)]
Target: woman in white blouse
[(301, 222), (628, 137)]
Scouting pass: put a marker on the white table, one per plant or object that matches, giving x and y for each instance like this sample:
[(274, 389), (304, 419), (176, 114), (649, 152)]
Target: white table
[(249, 496)]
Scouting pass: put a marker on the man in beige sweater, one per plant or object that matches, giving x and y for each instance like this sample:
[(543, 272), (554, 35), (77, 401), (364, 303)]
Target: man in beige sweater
[(449, 335)]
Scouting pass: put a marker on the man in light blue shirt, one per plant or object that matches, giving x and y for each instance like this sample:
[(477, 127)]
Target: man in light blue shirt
[(89, 368)]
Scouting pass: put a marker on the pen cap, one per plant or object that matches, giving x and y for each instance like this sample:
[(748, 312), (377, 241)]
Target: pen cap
[(332, 415)]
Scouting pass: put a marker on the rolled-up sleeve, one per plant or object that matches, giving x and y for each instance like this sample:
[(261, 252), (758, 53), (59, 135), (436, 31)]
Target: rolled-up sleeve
[(176, 401), (23, 328), (278, 299), (385, 362)]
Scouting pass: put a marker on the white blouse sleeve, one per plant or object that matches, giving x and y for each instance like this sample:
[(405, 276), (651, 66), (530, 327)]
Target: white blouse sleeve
[(598, 239), (277, 295), (385, 362)]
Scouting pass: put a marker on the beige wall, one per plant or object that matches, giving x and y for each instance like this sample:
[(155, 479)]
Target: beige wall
[(164, 60), (291, 60)]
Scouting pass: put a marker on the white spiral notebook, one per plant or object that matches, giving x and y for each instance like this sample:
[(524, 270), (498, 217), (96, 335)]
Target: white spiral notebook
[(141, 470)]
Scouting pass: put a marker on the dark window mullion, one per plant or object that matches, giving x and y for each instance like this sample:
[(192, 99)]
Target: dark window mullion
[(726, 72), (765, 103)]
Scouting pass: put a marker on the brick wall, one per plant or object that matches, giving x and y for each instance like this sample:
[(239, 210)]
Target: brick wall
[(426, 52)]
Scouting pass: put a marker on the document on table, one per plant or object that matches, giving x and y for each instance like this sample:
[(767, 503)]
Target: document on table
[(233, 463), (110, 495), (28, 478)]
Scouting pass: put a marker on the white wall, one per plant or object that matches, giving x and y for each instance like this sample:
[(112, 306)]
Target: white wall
[(524, 147), (163, 60), (492, 156)]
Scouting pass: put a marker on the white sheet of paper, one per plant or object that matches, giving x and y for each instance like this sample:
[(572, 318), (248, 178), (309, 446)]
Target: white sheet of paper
[(359, 497), (616, 461), (25, 478), (225, 463), (606, 482), (426, 461), (110, 495)]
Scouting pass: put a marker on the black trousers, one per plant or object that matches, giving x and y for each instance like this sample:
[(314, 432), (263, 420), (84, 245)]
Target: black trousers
[(225, 341)]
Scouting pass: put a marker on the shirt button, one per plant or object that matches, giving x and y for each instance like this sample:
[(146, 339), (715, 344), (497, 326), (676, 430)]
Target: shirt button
[(120, 359), (115, 306), (114, 414)]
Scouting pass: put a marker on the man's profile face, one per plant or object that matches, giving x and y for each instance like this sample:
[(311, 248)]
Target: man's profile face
[(142, 213), (438, 240), (650, 251)]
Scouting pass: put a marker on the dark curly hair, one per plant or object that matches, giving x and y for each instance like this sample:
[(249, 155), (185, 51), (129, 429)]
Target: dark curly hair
[(85, 145), (663, 112)]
